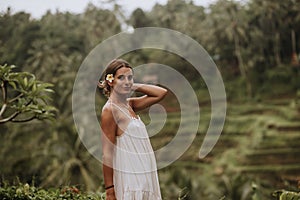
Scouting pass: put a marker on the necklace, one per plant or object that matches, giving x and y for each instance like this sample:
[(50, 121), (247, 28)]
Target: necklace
[(127, 107), (121, 104)]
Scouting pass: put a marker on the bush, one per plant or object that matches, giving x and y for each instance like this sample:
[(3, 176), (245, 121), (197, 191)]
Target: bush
[(286, 195), (27, 192)]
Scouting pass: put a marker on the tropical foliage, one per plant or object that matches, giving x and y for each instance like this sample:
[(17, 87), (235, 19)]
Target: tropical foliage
[(28, 97)]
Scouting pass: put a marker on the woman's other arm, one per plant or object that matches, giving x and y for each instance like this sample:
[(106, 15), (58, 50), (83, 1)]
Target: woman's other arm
[(108, 137)]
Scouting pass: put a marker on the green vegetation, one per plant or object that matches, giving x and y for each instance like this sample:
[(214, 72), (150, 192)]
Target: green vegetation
[(27, 192), (255, 45), (28, 97)]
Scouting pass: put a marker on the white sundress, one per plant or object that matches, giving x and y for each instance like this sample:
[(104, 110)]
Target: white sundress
[(135, 171)]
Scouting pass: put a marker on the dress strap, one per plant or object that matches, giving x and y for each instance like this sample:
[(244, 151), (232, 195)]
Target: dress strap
[(121, 109)]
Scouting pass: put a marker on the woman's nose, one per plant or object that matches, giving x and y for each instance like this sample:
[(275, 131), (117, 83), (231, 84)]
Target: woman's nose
[(127, 80)]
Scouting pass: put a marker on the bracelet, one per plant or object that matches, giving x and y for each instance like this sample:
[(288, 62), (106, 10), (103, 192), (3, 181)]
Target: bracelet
[(108, 187)]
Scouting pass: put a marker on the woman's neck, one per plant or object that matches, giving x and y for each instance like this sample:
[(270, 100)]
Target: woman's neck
[(118, 99)]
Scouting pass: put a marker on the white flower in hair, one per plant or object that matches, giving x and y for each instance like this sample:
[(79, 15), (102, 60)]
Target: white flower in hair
[(110, 77)]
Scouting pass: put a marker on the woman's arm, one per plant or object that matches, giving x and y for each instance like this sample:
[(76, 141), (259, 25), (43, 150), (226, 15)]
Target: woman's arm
[(153, 94), (108, 137)]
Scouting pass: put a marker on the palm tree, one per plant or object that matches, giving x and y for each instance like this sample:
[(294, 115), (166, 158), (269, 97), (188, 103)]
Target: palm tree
[(229, 29)]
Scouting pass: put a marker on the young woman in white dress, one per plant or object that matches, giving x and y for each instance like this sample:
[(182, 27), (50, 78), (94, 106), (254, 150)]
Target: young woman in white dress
[(129, 165)]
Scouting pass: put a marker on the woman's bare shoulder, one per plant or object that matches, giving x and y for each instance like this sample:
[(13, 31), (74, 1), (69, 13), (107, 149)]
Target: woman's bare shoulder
[(107, 111), (106, 107)]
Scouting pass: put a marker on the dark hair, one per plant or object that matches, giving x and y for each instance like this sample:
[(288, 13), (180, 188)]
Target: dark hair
[(111, 68)]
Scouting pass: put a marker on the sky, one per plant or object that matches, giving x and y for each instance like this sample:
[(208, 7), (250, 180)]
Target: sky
[(37, 8)]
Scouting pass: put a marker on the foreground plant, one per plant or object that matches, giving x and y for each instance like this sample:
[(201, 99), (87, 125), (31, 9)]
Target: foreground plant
[(23, 97), (286, 195), (27, 192)]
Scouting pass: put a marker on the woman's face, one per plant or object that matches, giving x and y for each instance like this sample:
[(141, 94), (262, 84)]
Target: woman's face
[(123, 81)]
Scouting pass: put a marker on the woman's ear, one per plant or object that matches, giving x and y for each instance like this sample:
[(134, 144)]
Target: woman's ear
[(110, 83)]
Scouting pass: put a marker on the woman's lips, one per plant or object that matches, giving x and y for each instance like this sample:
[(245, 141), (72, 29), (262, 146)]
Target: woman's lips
[(127, 88)]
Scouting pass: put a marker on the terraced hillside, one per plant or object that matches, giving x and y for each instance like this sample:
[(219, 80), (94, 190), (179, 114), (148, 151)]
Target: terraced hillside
[(259, 147), (274, 149)]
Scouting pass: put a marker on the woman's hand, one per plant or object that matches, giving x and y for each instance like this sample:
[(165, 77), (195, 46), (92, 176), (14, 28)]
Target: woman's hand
[(110, 194)]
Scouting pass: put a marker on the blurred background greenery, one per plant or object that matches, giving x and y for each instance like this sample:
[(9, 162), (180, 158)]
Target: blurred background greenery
[(255, 45)]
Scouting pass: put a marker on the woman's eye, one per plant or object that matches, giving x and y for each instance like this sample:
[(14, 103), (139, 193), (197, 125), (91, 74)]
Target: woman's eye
[(121, 77)]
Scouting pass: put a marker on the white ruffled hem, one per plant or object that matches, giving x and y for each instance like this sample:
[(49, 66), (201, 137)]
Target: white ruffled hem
[(140, 195)]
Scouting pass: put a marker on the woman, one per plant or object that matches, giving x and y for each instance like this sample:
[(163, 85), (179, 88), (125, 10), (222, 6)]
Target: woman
[(129, 166)]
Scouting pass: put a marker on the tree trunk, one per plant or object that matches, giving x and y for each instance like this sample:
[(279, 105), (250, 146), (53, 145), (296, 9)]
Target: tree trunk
[(242, 66), (295, 60), (277, 49)]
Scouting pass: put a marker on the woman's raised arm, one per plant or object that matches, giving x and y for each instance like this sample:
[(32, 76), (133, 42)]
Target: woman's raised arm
[(153, 94)]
